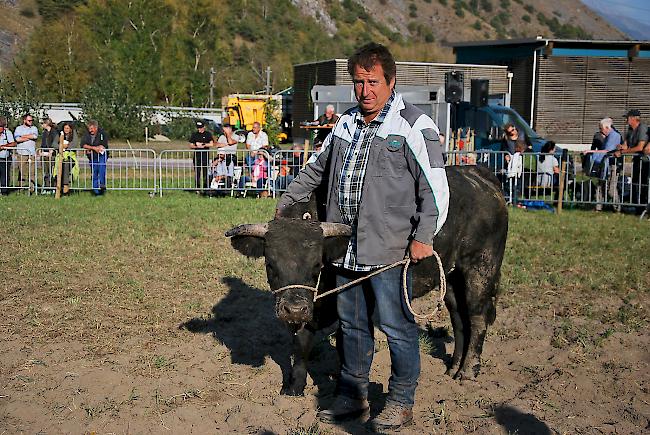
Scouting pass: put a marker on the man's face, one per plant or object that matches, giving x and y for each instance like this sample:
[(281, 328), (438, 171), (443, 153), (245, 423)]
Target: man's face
[(604, 129), (371, 89), (329, 112), (633, 121), (28, 121), (256, 128), (92, 129)]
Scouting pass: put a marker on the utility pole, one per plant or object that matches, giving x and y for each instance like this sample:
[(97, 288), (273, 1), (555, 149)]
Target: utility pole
[(212, 73), (268, 81)]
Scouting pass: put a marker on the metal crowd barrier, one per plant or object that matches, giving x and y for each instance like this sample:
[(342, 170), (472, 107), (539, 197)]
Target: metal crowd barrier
[(227, 171), (620, 182), (125, 169)]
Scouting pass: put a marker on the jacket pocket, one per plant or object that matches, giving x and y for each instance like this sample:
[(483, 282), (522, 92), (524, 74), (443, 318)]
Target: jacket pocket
[(397, 221), (392, 157)]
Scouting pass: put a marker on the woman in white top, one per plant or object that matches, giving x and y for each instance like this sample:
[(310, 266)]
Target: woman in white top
[(547, 165)]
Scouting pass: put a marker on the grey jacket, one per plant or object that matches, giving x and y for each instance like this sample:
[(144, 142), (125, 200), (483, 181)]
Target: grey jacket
[(405, 188)]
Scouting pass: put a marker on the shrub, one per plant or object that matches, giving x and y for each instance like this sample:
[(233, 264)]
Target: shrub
[(27, 12), (526, 18), (505, 4), (477, 25), (529, 8), (180, 128), (443, 2), (486, 6), (272, 125)]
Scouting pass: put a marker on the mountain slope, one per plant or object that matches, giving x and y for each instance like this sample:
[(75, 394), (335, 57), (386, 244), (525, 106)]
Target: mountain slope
[(631, 17), (163, 50)]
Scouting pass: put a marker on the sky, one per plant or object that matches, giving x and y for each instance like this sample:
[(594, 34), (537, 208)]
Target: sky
[(630, 16)]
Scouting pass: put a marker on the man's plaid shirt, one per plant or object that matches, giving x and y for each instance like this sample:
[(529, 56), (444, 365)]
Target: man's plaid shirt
[(353, 173)]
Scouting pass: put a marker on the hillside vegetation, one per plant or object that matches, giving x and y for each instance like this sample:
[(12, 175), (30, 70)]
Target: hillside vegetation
[(161, 51)]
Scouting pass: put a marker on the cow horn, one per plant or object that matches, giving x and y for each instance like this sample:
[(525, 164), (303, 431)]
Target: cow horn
[(255, 230), (331, 229)]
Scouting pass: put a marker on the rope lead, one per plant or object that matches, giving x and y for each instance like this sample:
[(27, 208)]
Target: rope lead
[(406, 262)]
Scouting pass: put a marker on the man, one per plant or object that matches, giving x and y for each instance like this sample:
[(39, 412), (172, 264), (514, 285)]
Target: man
[(636, 142), (95, 142), (255, 140), (26, 135), (49, 149), (201, 141), (327, 120), (6, 143), (387, 181), (606, 140)]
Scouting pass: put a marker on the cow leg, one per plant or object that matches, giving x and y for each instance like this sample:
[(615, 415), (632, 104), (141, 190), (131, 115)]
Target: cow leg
[(457, 326), (481, 298), (297, 379)]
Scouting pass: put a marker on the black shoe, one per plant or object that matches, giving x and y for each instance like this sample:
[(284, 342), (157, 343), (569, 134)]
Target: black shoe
[(344, 409), (394, 417)]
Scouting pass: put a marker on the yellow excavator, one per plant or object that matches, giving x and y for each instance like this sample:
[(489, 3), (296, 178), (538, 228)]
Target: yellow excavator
[(245, 109)]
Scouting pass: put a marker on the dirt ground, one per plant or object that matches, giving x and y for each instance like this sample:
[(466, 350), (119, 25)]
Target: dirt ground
[(81, 357)]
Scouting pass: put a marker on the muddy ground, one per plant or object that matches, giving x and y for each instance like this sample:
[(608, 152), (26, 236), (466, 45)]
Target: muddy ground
[(104, 350)]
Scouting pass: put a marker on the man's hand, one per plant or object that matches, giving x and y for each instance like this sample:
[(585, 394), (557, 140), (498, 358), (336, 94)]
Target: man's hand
[(419, 251)]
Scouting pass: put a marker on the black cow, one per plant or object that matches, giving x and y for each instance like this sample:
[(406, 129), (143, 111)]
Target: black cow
[(471, 245)]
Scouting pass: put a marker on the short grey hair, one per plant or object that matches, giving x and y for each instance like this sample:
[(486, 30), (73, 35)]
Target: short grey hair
[(606, 122), (330, 106), (93, 123)]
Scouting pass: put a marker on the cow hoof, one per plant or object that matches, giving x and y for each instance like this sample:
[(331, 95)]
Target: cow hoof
[(452, 371), (466, 375), (292, 391)]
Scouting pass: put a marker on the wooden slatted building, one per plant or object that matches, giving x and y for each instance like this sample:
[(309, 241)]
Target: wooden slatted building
[(564, 87), (335, 72)]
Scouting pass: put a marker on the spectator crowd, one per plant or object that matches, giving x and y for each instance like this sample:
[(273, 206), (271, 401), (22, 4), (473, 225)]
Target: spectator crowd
[(250, 169)]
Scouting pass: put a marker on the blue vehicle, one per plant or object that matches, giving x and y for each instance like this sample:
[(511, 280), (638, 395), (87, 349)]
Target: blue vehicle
[(489, 122)]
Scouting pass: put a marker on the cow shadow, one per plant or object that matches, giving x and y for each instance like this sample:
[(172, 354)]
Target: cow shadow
[(245, 322), (514, 420)]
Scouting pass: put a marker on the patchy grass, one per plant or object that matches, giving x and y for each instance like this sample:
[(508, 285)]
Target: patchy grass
[(113, 277)]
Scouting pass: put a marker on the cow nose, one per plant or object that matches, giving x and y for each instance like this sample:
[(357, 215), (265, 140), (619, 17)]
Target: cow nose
[(290, 310)]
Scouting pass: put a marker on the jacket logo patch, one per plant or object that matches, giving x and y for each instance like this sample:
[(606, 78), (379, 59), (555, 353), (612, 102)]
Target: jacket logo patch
[(395, 144)]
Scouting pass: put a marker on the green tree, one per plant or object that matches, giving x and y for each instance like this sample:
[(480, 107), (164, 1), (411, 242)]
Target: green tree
[(272, 125), (114, 108)]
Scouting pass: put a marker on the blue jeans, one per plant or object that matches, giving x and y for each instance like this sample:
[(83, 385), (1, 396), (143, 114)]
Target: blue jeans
[(98, 166), (381, 296)]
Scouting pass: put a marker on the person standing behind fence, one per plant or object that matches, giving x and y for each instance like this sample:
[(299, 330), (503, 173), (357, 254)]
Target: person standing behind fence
[(228, 139), (69, 167), (606, 168), (26, 136), (49, 148), (548, 166), (6, 143), (516, 170), (201, 141), (636, 141), (255, 140), (95, 142)]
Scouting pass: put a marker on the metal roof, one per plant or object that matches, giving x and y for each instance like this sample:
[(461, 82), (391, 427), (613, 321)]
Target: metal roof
[(543, 41), (399, 62)]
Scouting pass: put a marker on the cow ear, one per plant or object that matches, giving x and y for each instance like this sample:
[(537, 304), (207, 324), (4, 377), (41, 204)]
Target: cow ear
[(250, 246), (334, 247)]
